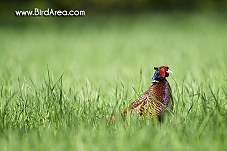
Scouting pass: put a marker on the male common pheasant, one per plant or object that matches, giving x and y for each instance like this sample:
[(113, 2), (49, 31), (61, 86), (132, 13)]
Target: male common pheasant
[(156, 99)]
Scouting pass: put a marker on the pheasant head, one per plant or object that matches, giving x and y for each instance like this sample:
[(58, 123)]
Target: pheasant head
[(161, 73)]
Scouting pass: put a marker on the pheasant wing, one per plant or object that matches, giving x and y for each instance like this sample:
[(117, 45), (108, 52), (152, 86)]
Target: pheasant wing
[(138, 102)]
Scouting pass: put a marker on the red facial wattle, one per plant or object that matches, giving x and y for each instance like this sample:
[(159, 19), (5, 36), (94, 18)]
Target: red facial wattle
[(162, 71)]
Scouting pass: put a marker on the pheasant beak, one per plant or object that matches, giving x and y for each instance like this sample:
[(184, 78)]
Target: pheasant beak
[(169, 71)]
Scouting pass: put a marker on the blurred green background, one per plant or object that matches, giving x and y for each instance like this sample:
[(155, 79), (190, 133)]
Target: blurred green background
[(125, 5), (115, 35)]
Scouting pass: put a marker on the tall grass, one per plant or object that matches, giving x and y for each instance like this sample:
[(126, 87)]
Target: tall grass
[(60, 83)]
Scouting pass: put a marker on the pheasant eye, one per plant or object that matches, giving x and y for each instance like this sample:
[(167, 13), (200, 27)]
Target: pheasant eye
[(162, 69)]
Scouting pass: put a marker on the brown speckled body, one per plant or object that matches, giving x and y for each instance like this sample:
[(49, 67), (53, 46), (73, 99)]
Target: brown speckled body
[(154, 101)]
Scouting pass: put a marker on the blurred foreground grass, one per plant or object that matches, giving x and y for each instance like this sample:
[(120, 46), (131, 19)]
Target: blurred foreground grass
[(60, 78)]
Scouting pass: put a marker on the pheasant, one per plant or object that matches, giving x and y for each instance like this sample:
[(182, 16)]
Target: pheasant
[(158, 98)]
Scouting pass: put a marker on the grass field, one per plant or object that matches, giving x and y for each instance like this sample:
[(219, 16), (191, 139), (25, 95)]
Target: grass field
[(60, 78)]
